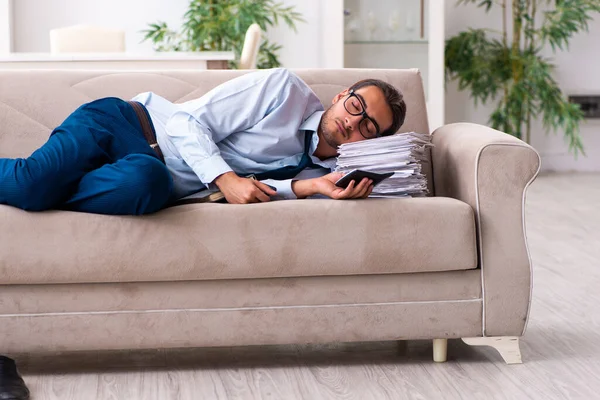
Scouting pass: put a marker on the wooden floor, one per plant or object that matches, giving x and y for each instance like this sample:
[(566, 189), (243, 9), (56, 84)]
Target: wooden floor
[(561, 349)]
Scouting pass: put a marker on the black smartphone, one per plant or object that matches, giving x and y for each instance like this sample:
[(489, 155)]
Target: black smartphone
[(357, 175)]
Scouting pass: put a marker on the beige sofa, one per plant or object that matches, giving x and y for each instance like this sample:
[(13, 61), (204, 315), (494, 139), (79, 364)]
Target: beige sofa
[(454, 265)]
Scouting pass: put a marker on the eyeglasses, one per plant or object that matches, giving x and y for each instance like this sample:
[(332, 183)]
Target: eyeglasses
[(367, 126)]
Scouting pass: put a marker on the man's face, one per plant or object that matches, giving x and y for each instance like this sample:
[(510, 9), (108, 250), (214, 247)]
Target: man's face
[(339, 125)]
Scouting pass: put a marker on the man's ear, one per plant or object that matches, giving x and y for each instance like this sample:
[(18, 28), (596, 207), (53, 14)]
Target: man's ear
[(339, 96)]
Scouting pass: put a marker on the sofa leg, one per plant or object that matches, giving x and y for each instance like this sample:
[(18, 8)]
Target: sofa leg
[(507, 346), (440, 350)]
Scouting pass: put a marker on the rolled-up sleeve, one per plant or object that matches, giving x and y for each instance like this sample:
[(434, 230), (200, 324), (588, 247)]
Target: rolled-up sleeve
[(231, 107), (195, 144)]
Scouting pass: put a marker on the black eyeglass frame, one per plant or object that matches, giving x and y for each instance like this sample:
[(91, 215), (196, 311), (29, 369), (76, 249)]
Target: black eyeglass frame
[(363, 113)]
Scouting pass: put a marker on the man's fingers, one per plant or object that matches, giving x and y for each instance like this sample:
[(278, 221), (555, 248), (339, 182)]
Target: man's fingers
[(368, 188), (261, 196), (353, 191), (265, 188), (366, 192), (339, 193), (361, 189), (348, 191), (334, 176)]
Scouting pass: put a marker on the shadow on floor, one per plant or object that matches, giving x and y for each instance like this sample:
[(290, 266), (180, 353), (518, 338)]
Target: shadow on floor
[(271, 356)]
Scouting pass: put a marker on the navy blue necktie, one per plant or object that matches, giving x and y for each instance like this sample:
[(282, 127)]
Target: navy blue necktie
[(290, 171)]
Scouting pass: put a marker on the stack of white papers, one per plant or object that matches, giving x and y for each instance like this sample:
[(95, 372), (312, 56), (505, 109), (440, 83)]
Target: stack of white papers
[(402, 153)]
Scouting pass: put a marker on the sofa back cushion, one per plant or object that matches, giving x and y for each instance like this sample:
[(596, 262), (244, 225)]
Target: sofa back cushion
[(32, 103)]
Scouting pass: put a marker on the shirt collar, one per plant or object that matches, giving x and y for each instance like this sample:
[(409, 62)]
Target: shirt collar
[(312, 122)]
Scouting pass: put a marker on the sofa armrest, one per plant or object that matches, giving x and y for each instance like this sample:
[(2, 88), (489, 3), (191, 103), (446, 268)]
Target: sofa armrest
[(491, 171)]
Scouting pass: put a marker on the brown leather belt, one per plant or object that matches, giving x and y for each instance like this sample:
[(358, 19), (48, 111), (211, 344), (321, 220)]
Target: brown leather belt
[(147, 128)]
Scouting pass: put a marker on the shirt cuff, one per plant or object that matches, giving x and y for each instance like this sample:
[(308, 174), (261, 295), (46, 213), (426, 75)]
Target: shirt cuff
[(284, 189), (209, 169)]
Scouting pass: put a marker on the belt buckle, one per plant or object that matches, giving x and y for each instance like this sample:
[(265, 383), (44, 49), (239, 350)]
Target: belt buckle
[(154, 145)]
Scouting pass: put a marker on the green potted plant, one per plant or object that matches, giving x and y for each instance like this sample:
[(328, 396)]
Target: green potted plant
[(221, 25), (509, 65)]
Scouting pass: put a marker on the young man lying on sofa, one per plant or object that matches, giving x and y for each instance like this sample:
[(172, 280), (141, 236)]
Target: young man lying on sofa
[(136, 157)]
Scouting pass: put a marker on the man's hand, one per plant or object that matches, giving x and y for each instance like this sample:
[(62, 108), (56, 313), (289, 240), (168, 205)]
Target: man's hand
[(238, 190), (325, 185)]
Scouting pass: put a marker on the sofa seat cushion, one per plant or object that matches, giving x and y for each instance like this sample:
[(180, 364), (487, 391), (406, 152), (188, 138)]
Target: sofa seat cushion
[(225, 241)]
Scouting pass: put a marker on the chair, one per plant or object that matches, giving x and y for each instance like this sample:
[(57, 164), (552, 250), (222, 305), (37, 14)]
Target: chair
[(86, 39), (251, 46)]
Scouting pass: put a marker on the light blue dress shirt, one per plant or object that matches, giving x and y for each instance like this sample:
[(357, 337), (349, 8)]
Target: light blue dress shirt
[(253, 123)]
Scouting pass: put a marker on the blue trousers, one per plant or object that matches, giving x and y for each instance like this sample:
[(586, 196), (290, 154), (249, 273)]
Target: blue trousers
[(96, 161)]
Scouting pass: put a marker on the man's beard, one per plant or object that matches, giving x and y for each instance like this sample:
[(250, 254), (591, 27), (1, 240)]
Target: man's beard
[(325, 128)]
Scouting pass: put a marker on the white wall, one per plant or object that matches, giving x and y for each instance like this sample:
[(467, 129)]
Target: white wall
[(302, 49), (5, 26), (33, 19), (577, 72), (316, 42), (317, 46)]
